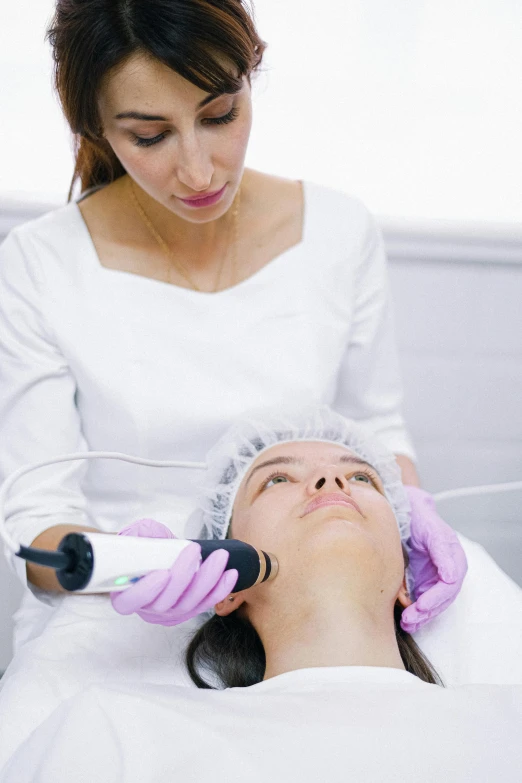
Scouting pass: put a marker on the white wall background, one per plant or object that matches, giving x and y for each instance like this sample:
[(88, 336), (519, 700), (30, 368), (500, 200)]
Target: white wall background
[(414, 105)]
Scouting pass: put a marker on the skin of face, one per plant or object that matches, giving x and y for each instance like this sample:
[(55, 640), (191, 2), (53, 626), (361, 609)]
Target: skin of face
[(351, 552), (193, 155)]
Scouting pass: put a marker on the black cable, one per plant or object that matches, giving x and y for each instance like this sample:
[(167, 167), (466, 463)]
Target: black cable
[(44, 557)]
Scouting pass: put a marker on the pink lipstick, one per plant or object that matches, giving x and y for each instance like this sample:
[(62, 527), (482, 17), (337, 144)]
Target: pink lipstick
[(206, 200)]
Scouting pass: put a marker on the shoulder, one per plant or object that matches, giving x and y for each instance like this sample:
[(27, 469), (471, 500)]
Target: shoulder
[(50, 242), (50, 228), (102, 206), (271, 197), (338, 208), (110, 217), (269, 186), (321, 204), (341, 226), (336, 224)]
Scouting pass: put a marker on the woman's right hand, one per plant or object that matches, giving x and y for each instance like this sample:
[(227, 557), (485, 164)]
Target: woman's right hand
[(188, 588)]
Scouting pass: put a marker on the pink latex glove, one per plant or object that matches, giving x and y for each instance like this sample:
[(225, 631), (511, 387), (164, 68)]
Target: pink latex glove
[(437, 562), (169, 597)]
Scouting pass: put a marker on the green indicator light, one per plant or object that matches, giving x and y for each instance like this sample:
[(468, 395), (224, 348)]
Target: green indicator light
[(121, 580)]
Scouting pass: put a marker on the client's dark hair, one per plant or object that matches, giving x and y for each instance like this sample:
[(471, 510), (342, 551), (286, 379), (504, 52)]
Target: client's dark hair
[(230, 649)]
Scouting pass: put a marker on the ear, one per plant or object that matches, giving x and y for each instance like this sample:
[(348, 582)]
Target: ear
[(403, 596), (230, 604)]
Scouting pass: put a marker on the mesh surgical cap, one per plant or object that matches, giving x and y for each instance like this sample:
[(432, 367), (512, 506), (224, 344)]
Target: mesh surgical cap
[(230, 459)]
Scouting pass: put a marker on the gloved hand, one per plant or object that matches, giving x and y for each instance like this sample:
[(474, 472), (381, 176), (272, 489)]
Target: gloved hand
[(169, 597), (437, 561)]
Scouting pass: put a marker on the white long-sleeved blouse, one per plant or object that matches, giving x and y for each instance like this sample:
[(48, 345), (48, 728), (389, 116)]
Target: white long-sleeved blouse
[(93, 358)]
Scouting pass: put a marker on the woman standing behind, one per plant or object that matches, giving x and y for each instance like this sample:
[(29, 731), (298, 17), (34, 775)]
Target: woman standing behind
[(182, 290)]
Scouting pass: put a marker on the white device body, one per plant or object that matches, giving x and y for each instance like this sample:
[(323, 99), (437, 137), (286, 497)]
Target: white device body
[(120, 560)]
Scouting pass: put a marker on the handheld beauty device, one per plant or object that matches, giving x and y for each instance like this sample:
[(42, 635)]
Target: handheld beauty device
[(100, 562)]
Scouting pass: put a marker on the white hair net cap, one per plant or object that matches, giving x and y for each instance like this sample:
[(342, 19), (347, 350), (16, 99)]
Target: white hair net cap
[(229, 460)]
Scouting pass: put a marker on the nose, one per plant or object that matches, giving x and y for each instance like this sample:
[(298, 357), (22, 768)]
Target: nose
[(194, 167), (328, 478)]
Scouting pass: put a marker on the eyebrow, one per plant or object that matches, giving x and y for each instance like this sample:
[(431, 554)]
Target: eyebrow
[(345, 458), (356, 461), (275, 461), (136, 115)]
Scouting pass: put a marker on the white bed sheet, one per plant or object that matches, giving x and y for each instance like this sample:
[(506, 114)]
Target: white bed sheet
[(334, 724), (477, 640)]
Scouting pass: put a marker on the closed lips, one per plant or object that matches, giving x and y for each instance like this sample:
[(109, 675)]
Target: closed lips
[(203, 196), (334, 499)]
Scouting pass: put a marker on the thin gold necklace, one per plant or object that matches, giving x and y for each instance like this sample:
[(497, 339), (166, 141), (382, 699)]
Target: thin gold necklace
[(168, 252)]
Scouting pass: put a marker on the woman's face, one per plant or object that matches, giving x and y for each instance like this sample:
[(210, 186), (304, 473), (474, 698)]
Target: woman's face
[(172, 139), (301, 499)]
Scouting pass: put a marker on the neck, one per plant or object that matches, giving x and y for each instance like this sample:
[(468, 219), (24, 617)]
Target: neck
[(196, 241), (316, 633)]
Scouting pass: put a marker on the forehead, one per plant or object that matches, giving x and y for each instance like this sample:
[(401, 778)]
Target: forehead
[(142, 77)]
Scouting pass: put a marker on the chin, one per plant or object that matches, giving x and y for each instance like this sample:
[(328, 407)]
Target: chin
[(338, 514), (336, 529), (201, 215)]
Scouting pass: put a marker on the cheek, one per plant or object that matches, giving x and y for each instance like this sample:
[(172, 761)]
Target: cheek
[(229, 152), (380, 516), (243, 130), (144, 166), (264, 524), (386, 533), (149, 170)]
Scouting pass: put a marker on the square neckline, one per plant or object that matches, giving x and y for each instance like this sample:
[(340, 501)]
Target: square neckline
[(190, 291)]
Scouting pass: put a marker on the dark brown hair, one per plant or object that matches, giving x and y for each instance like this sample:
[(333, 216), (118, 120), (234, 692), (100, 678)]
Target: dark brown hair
[(231, 651), (91, 37)]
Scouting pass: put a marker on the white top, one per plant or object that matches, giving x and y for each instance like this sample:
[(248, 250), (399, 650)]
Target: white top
[(325, 724), (93, 358)]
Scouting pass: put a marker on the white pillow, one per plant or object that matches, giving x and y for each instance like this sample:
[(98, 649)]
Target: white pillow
[(478, 639)]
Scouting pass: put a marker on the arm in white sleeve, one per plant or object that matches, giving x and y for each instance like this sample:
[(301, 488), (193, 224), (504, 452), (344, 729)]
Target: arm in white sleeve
[(369, 386), (38, 415)]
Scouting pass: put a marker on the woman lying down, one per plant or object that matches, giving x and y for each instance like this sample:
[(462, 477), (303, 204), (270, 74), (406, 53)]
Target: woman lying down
[(307, 677)]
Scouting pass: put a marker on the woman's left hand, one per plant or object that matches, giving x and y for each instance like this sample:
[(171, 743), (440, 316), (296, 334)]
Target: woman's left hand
[(437, 562)]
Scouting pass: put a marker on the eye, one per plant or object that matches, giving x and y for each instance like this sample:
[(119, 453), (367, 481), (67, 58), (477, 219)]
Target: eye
[(275, 478), (139, 141), (367, 478), (226, 118), (362, 477)]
